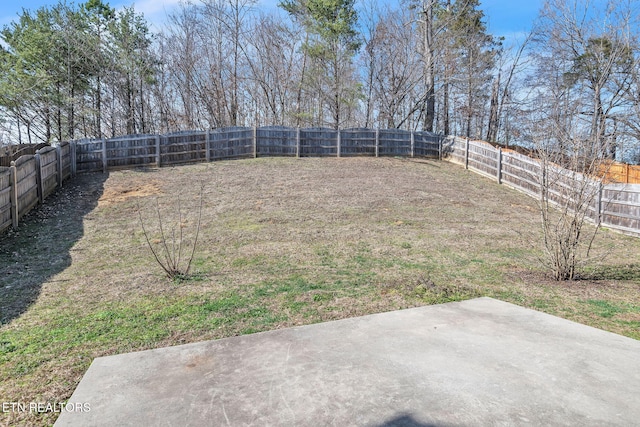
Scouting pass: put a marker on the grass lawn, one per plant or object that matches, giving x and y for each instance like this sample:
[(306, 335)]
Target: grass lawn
[(283, 242)]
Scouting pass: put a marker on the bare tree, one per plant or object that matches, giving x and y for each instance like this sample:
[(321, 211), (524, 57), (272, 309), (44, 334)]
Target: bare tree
[(581, 76), (394, 70), (276, 66)]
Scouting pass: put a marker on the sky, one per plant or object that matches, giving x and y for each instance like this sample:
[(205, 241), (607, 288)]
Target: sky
[(508, 18)]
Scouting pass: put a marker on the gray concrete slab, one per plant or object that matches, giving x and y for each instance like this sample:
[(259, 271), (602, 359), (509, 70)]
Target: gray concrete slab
[(477, 362)]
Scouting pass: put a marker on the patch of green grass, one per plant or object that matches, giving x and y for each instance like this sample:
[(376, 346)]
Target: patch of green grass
[(541, 304), (224, 304), (608, 309), (427, 291)]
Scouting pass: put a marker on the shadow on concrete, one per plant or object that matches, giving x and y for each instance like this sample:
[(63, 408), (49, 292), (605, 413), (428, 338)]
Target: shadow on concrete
[(407, 420), (40, 247)]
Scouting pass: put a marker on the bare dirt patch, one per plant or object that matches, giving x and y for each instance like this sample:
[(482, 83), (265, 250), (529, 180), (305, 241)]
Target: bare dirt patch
[(124, 192)]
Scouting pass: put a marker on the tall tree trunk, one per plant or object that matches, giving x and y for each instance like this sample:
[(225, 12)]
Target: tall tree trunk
[(492, 131), (445, 107), (71, 119), (429, 65), (47, 124), (130, 108), (303, 72), (98, 108), (19, 129)]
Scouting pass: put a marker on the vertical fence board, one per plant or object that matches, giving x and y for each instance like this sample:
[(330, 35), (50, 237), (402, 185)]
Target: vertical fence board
[(13, 182), (5, 197), (66, 161)]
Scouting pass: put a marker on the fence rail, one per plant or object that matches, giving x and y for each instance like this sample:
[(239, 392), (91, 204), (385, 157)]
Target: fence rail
[(616, 206), (20, 150), (31, 178), (241, 142)]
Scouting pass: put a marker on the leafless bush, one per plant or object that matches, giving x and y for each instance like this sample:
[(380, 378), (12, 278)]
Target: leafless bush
[(174, 239), (568, 200)]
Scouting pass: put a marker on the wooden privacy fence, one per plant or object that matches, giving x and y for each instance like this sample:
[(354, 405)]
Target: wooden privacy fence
[(622, 173), (18, 151), (30, 179), (616, 206), (243, 142)]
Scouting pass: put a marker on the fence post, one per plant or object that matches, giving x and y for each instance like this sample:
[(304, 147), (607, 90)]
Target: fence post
[(255, 142), (207, 146), (413, 142), (627, 175), (599, 204), (104, 156), (499, 171), (59, 159), (298, 142), (466, 154), (158, 157), (377, 141), (39, 184), (338, 142), (13, 180), (440, 139), (74, 162)]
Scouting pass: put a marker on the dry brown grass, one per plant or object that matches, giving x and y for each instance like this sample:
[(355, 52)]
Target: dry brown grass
[(283, 242)]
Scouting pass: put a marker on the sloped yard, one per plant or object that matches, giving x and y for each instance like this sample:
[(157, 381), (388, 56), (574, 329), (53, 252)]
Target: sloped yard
[(282, 242)]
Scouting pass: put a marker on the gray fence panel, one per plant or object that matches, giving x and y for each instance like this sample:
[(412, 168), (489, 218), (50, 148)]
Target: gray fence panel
[(131, 150), (621, 207), (5, 198), (89, 155), (276, 141), (27, 184), (426, 144), (394, 142), (48, 170), (65, 160), (357, 142), (521, 172), (483, 158), (318, 142), (183, 147), (231, 143)]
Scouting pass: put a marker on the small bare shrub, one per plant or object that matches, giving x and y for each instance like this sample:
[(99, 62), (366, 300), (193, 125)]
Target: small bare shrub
[(173, 240)]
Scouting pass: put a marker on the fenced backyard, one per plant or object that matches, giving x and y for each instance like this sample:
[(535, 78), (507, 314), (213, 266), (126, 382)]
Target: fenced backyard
[(31, 178), (284, 242)]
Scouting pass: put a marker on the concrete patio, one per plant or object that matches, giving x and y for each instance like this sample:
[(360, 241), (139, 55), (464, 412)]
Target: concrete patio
[(476, 362)]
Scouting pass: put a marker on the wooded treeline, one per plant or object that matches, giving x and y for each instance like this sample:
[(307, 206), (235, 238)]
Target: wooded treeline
[(74, 71)]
